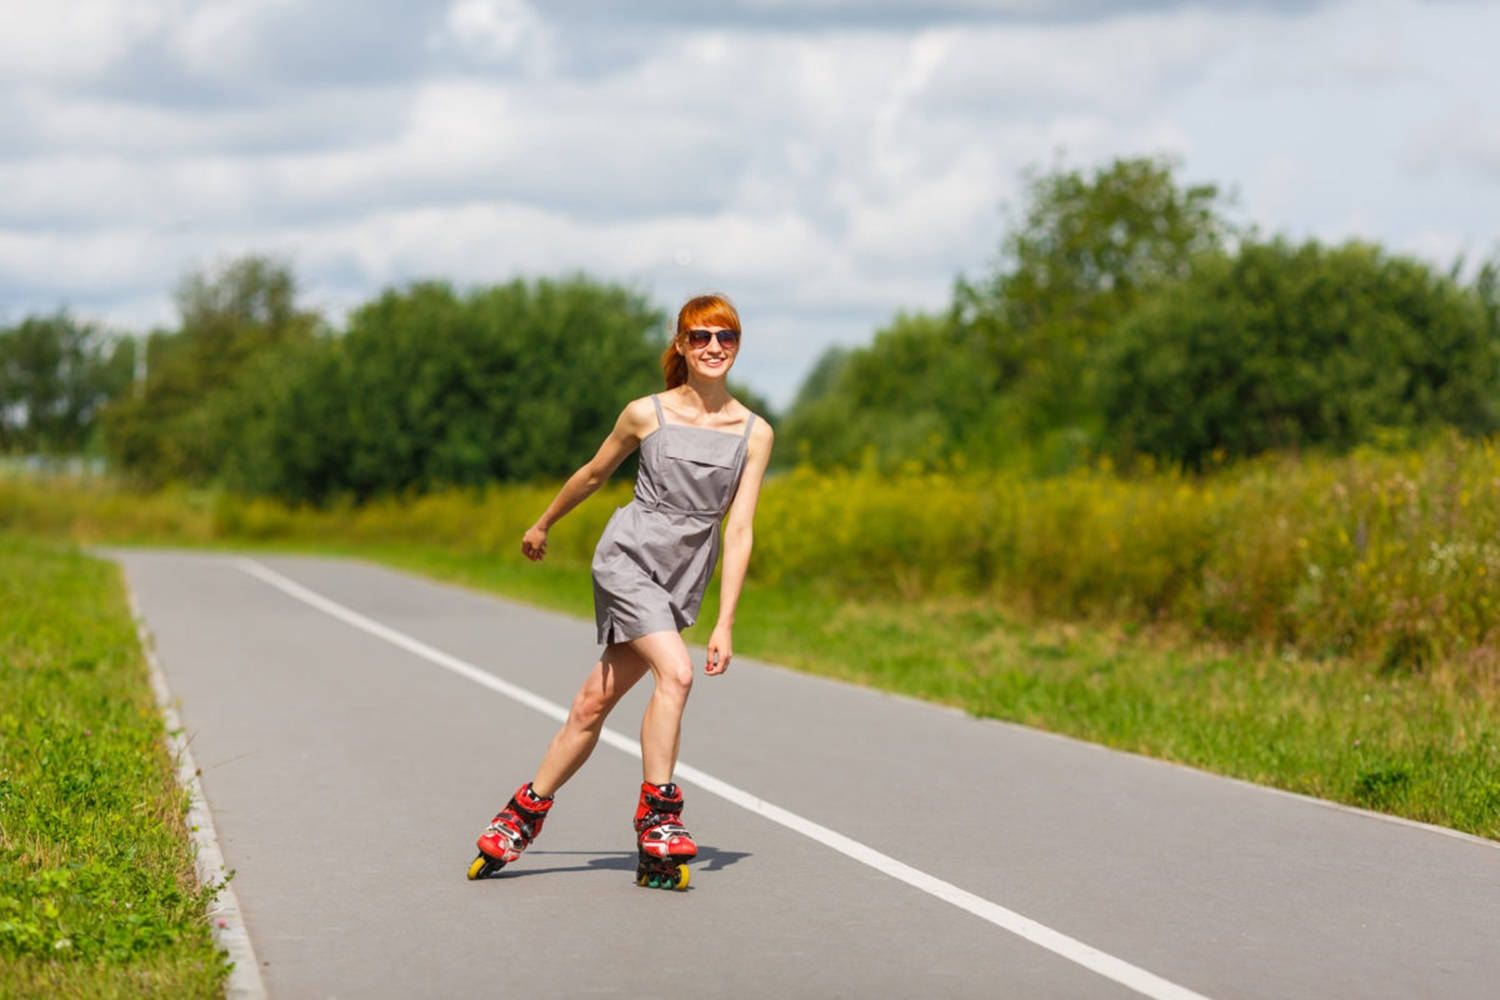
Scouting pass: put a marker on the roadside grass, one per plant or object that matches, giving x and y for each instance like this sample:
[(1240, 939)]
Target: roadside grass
[(97, 892)]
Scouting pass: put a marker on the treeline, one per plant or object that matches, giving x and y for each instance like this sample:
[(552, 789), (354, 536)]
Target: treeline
[(56, 374), (425, 387), (1127, 317)]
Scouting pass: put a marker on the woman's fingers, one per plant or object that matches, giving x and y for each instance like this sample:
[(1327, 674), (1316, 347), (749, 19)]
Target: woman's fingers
[(534, 544), (717, 662)]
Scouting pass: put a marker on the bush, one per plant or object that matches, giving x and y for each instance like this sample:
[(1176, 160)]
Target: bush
[(1283, 347)]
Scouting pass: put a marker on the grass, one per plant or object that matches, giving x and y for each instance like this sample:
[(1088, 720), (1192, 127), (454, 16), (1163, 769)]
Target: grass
[(97, 892)]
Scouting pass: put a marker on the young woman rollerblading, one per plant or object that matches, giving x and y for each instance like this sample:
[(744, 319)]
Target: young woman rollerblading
[(703, 454)]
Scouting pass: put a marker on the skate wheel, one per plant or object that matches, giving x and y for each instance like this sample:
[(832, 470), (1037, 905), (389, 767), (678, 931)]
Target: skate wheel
[(483, 867), (682, 878)]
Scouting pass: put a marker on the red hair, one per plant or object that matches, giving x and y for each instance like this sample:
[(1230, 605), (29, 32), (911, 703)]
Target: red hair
[(705, 310)]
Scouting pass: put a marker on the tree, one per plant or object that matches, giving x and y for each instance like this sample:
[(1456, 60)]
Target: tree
[(171, 426), (1010, 374), (1283, 347), (55, 374), (431, 388), (914, 395), (1085, 251)]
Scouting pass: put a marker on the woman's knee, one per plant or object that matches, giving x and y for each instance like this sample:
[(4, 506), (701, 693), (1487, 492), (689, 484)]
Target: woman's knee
[(589, 710), (675, 679)]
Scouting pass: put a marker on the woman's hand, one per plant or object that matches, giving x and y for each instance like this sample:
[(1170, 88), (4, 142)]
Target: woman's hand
[(720, 651), (534, 543)]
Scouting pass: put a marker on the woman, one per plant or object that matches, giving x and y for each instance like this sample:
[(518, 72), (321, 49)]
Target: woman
[(702, 453)]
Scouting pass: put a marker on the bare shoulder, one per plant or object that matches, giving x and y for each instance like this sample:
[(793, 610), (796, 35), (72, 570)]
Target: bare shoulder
[(638, 418), (762, 435)]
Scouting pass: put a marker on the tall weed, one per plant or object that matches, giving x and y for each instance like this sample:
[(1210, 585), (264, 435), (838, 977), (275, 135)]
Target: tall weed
[(1387, 557)]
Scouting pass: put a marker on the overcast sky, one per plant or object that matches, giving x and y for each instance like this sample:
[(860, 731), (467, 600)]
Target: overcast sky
[(826, 163)]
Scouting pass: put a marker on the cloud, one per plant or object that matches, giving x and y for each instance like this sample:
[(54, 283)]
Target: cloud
[(1466, 137), (802, 15), (44, 43), (825, 163), (497, 32)]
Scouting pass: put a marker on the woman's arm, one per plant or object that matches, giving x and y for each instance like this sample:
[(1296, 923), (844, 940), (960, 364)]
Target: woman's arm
[(636, 421), (739, 538)]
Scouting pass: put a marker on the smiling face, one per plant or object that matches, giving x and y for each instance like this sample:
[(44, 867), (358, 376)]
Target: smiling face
[(695, 349), (712, 357)]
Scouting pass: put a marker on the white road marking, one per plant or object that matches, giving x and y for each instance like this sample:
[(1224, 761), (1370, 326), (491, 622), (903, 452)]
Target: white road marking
[(1131, 976)]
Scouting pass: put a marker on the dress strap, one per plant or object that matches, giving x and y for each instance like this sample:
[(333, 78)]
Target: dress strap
[(661, 421), (749, 424)]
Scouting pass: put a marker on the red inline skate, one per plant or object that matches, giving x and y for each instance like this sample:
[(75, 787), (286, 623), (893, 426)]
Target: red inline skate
[(510, 832), (663, 843)]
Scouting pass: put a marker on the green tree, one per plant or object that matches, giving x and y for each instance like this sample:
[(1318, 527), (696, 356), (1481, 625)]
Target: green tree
[(171, 427), (1085, 250), (431, 388), (1284, 347), (913, 396), (1011, 373), (55, 374)]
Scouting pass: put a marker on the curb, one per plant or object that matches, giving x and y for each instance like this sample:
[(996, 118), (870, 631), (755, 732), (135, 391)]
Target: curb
[(226, 921)]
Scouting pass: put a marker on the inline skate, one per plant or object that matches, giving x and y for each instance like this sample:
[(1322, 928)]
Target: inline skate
[(663, 844), (510, 832)]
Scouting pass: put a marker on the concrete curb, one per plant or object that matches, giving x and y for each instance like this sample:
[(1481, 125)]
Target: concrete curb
[(226, 921)]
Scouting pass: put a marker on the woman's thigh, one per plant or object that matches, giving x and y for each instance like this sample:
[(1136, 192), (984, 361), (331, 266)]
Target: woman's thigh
[(618, 670)]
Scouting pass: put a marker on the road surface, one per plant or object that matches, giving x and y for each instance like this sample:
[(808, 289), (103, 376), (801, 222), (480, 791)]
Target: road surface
[(356, 728)]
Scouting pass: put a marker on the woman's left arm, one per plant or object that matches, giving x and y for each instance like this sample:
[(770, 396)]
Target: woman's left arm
[(739, 538)]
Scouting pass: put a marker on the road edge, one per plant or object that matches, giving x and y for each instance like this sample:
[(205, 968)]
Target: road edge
[(225, 919)]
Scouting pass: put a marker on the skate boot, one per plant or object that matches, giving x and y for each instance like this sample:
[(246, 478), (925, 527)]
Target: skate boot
[(510, 832), (663, 843)]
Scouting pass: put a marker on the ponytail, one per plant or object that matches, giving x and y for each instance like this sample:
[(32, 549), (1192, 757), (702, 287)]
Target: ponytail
[(673, 365)]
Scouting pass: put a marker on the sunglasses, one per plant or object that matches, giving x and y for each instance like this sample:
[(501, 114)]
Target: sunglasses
[(728, 339)]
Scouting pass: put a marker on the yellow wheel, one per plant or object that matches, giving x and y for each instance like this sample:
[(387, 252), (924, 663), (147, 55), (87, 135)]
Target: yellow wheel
[(682, 878), (642, 881), (480, 868)]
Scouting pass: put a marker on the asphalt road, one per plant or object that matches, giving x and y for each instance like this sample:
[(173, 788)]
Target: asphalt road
[(869, 846)]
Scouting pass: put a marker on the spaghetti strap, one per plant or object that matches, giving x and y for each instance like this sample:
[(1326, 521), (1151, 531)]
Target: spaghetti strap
[(749, 424), (661, 421)]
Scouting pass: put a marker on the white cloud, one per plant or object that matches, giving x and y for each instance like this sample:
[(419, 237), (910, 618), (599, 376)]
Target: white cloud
[(825, 170), (497, 31), (43, 42)]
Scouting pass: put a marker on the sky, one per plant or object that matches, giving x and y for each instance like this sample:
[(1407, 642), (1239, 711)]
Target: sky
[(826, 163)]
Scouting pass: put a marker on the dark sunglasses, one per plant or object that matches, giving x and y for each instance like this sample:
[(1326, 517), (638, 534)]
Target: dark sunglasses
[(729, 339)]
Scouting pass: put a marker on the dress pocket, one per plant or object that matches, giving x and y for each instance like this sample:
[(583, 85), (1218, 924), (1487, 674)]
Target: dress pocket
[(701, 449)]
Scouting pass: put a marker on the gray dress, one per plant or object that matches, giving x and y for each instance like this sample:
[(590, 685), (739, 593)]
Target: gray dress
[(657, 553)]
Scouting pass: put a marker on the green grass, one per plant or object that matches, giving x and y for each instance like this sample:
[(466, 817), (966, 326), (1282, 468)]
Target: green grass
[(1425, 746), (97, 892)]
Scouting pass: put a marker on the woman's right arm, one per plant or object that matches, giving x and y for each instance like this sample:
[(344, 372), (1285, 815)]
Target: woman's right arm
[(636, 421)]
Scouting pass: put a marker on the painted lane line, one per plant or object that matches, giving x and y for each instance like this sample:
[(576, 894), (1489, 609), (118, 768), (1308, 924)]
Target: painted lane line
[(1107, 965)]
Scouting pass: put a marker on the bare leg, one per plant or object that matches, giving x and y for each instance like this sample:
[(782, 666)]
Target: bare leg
[(661, 729), (618, 669)]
